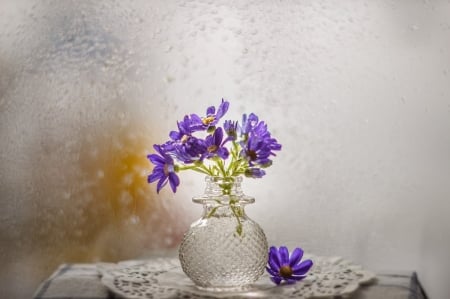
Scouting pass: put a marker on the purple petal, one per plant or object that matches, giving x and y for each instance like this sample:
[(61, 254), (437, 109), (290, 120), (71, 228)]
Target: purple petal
[(162, 182), (196, 123), (296, 256), (209, 140), (158, 149), (210, 111), (155, 176), (302, 268), (157, 160), (271, 271), (253, 119), (174, 181), (168, 160), (218, 136), (223, 153), (175, 135), (195, 119), (284, 255), (223, 108), (275, 256), (275, 146), (254, 172), (274, 264), (276, 279)]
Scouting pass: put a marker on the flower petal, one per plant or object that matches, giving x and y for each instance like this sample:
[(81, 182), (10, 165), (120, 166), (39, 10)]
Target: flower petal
[(275, 256), (161, 183), (174, 135), (302, 268), (210, 111), (271, 271), (196, 123), (284, 255), (218, 136), (276, 279), (223, 108), (296, 256), (223, 153), (174, 181), (273, 263), (156, 174), (157, 160), (158, 149)]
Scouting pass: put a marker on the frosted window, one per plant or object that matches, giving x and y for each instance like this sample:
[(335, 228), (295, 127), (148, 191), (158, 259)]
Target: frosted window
[(357, 92)]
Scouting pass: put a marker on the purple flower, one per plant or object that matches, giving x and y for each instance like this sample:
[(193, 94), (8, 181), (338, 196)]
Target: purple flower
[(257, 145), (214, 146), (212, 117), (185, 129), (230, 128), (191, 151), (164, 170), (254, 172), (257, 150), (228, 151), (290, 269), (194, 147), (248, 123), (184, 146)]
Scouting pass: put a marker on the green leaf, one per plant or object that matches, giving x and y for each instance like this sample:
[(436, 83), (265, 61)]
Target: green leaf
[(212, 212)]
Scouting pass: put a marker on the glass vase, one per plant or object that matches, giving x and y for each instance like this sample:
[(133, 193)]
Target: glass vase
[(224, 250)]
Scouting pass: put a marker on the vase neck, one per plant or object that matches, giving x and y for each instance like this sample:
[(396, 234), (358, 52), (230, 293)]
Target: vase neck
[(222, 190), (217, 186)]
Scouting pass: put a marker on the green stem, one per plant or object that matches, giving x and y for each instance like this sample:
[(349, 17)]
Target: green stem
[(206, 170), (211, 213), (237, 213), (222, 167)]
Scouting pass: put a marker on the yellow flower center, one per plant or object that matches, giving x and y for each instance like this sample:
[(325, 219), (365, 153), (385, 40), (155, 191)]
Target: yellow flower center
[(184, 139), (207, 120), (212, 148), (286, 271)]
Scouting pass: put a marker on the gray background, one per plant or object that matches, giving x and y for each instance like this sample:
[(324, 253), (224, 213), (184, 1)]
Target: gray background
[(358, 93)]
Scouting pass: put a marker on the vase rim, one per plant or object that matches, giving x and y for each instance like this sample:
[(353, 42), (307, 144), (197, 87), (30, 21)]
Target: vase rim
[(219, 200), (236, 179), (223, 191)]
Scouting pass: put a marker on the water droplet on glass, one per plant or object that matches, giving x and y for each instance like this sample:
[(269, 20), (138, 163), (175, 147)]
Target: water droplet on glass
[(169, 79), (127, 179), (168, 49), (100, 174), (125, 198), (134, 219)]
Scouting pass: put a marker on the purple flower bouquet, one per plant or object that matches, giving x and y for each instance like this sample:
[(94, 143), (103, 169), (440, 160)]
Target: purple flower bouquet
[(202, 145)]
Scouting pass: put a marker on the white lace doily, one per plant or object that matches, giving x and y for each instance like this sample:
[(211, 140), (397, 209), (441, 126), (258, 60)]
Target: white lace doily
[(163, 278)]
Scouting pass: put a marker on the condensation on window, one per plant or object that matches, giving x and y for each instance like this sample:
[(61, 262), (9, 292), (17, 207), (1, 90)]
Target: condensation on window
[(356, 92)]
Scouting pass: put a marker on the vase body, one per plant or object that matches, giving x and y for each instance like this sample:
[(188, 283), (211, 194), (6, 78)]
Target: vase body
[(224, 250)]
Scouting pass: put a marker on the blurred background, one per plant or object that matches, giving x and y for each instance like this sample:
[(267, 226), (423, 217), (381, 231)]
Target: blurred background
[(357, 92)]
